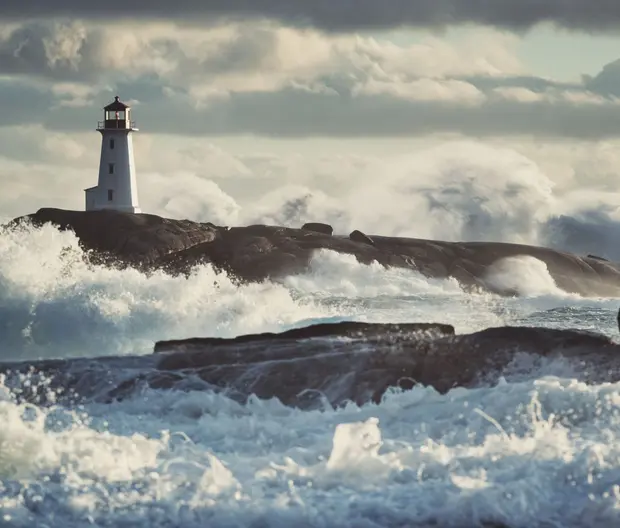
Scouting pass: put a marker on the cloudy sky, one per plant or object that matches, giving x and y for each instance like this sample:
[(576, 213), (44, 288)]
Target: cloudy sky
[(241, 99)]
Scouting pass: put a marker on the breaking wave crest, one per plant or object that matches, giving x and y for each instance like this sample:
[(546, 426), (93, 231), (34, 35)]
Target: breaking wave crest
[(53, 304)]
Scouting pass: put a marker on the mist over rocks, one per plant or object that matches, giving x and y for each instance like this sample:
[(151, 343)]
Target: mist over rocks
[(258, 252)]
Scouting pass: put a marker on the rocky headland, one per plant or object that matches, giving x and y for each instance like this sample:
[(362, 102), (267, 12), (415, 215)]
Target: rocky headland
[(257, 252)]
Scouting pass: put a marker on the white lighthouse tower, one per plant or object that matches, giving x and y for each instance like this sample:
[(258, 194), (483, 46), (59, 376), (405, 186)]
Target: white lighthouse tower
[(117, 188)]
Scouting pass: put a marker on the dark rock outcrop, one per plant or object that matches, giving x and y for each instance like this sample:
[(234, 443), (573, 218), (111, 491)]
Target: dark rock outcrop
[(317, 227), (321, 365), (140, 240), (358, 236), (347, 329), (364, 367), (257, 252)]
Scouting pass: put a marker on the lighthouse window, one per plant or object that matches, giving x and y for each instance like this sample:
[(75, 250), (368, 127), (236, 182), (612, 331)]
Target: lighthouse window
[(110, 168), (110, 195), (113, 115), (111, 144)]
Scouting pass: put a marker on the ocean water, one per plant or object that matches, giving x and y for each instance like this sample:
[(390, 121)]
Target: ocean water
[(540, 448)]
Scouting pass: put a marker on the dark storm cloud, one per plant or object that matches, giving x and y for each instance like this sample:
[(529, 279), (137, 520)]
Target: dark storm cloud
[(534, 84), (607, 82), (297, 113), (72, 52), (340, 102), (340, 15), (28, 50), (293, 113)]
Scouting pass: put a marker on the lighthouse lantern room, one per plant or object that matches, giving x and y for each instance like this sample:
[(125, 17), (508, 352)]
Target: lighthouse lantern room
[(116, 188)]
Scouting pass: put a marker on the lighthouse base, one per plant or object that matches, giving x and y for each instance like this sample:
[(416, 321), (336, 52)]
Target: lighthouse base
[(120, 209), (94, 203)]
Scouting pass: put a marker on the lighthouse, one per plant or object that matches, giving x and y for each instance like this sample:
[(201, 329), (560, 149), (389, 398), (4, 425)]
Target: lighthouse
[(116, 188)]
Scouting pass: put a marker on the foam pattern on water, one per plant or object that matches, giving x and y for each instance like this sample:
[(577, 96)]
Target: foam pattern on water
[(521, 454)]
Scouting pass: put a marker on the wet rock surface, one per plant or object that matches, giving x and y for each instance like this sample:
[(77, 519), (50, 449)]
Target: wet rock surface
[(318, 366)]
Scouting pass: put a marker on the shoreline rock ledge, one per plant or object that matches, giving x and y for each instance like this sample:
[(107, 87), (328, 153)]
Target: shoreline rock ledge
[(258, 252), (318, 366)]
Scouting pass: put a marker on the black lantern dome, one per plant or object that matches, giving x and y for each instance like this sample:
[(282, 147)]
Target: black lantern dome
[(116, 116)]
